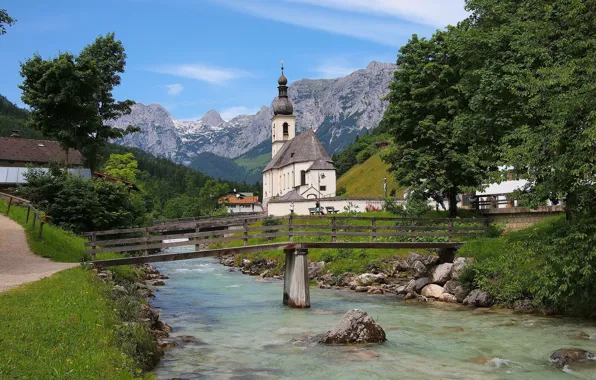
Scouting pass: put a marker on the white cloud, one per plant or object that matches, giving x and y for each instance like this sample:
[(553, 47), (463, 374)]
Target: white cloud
[(330, 70), (386, 22), (213, 75), (175, 89), (437, 13), (230, 113)]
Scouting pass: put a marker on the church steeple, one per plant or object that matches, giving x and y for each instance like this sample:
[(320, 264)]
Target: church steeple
[(282, 104), (283, 125)]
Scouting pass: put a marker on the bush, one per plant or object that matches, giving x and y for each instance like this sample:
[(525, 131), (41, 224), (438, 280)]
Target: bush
[(269, 221), (341, 191)]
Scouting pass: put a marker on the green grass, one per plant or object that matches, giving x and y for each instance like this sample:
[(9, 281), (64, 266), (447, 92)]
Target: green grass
[(366, 179), (62, 327), (56, 244), (257, 162)]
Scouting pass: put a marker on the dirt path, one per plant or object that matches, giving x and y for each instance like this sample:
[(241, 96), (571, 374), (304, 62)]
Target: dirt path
[(18, 265)]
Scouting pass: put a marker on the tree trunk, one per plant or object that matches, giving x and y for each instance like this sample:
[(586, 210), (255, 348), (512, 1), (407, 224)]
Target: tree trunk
[(570, 203), (452, 203)]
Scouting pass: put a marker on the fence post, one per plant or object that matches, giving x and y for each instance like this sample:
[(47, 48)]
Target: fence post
[(333, 229), (41, 223), (374, 229), (93, 247), (245, 225), (413, 231), (34, 217), (450, 227), (291, 228), (146, 241), (486, 225), (9, 204), (28, 211)]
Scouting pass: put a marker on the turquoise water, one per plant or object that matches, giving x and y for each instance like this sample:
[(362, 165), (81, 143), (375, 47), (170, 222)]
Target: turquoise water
[(247, 334)]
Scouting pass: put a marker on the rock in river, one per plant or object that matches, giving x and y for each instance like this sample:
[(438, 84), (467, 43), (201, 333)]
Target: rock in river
[(432, 290), (356, 326), (565, 356), (478, 298)]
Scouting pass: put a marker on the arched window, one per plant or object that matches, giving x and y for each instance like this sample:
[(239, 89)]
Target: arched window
[(302, 177), (286, 130)]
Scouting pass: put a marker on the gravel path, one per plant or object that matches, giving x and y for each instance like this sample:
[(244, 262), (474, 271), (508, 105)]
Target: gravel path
[(18, 265)]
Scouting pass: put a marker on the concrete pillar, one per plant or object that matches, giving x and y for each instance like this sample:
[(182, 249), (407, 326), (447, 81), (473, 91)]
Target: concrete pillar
[(296, 284)]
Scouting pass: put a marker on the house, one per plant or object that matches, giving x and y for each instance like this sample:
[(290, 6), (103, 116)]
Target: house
[(17, 153), (240, 202), (299, 164)]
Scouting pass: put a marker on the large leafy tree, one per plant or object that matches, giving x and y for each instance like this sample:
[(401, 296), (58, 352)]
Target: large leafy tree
[(432, 153), (5, 20), (531, 75), (71, 96)]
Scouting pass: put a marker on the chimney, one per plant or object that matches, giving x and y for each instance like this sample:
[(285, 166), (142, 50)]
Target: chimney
[(15, 133)]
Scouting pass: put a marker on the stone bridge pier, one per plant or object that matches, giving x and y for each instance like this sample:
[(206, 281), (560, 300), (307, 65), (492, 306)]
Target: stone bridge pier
[(296, 284)]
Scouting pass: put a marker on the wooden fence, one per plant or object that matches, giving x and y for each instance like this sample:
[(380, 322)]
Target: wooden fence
[(338, 230), (494, 201), (37, 216)]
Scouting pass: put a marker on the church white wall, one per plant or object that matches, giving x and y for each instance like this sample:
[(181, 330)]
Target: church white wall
[(301, 207), (329, 182)]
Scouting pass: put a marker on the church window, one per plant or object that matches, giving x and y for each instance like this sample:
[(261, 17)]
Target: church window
[(286, 129), (323, 188), (302, 177)]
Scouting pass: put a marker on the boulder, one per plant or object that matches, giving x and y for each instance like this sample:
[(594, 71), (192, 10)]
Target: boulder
[(400, 266), (432, 290), (356, 326), (419, 269), (375, 290), (430, 260), (478, 298), (446, 297), (410, 286), (119, 291), (324, 286), (461, 293), (327, 279), (361, 289), (157, 283), (421, 283), (565, 356), (413, 257), (345, 278), (368, 279), (441, 274), (411, 296), (401, 289), (315, 268), (450, 286), (458, 265), (524, 306), (246, 263), (446, 255)]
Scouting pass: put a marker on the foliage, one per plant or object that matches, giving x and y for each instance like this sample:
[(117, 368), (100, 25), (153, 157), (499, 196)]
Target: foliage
[(351, 209), (83, 205), (432, 153), (71, 96), (531, 78), (5, 20), (123, 166), (415, 207), (271, 222)]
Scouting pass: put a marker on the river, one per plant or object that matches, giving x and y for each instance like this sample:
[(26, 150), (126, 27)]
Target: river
[(247, 333)]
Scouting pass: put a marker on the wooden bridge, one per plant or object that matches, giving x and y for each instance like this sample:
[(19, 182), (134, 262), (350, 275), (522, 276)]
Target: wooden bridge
[(295, 235)]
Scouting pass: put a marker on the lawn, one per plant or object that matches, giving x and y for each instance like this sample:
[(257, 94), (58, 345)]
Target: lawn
[(366, 179)]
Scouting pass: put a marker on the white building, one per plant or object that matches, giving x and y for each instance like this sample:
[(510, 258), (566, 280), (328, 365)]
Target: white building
[(299, 164)]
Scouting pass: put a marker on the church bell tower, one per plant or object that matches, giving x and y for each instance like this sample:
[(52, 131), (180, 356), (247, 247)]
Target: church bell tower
[(283, 124)]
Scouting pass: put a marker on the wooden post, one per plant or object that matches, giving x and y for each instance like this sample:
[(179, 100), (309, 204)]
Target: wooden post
[(296, 284), (413, 231), (35, 216), (486, 222), (9, 204), (93, 239), (291, 228), (245, 225), (146, 241), (28, 211), (197, 230), (41, 223), (450, 227), (374, 229), (333, 229)]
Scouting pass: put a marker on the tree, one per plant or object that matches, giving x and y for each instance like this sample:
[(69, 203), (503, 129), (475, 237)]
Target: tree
[(5, 20), (123, 166), (433, 153), (71, 96), (532, 75)]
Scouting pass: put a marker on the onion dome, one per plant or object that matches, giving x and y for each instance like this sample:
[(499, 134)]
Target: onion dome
[(282, 104)]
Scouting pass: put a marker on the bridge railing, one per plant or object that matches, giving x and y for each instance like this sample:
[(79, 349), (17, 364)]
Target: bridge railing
[(243, 232), (32, 212)]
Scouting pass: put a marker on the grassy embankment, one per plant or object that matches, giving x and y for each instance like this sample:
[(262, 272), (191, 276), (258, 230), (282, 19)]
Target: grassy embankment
[(340, 261), (366, 179), (550, 263), (67, 325)]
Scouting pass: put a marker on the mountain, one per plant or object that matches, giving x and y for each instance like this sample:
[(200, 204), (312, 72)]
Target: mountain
[(337, 109)]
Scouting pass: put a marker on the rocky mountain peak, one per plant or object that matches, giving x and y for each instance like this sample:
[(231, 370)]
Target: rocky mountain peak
[(212, 118)]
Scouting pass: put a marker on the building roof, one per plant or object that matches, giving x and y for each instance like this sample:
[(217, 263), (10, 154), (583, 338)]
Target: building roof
[(290, 196), (233, 200), (321, 165), (302, 148), (36, 151)]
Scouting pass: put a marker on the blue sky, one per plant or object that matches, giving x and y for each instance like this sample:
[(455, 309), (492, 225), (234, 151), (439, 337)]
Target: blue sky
[(195, 55)]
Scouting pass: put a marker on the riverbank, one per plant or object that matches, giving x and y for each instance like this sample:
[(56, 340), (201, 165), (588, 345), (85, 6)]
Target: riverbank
[(78, 323)]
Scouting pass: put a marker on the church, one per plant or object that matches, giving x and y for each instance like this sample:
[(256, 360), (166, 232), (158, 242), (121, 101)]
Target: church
[(300, 167)]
